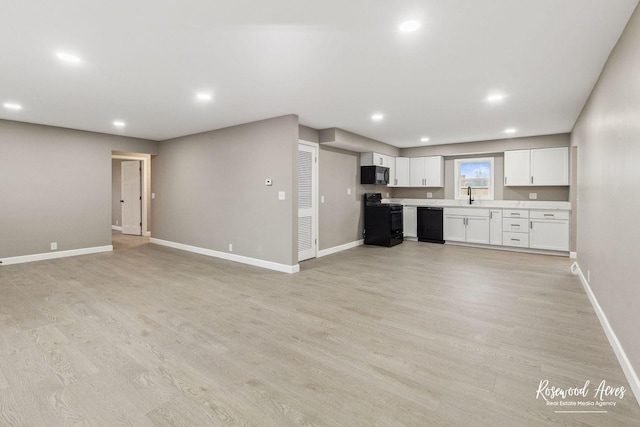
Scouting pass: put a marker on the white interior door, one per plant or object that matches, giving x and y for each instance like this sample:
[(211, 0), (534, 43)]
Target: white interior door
[(131, 198), (307, 201)]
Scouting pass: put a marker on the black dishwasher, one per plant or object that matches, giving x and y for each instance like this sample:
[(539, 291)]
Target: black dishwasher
[(430, 225)]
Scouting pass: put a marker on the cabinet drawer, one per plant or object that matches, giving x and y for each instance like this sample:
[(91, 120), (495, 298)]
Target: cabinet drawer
[(515, 224), (549, 215), (467, 212), (515, 213), (520, 240)]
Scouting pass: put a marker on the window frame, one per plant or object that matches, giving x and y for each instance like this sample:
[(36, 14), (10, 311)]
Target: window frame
[(456, 171)]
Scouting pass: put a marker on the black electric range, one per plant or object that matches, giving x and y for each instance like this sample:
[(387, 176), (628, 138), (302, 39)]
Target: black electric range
[(382, 221)]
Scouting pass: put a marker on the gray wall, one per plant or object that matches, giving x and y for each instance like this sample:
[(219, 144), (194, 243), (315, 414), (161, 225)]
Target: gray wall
[(341, 216), (494, 148), (607, 135), (56, 187), (210, 190), (116, 189)]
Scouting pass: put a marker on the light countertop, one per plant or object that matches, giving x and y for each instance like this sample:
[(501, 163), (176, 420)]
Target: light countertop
[(498, 204)]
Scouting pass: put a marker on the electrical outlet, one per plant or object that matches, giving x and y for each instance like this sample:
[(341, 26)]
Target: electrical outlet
[(153, 195), (387, 195), (321, 199), (533, 196), (348, 191), (429, 195), (54, 246), (230, 247), (281, 195)]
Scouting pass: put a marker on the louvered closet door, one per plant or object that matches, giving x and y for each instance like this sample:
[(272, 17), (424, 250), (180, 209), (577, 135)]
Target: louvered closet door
[(307, 199)]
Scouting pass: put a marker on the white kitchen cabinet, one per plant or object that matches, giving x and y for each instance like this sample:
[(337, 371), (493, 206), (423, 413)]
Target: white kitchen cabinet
[(402, 178), (538, 167), (375, 159), (549, 230), (495, 227), (410, 221), (466, 225), (515, 227), (550, 166), (517, 167), (416, 171), (454, 228), (426, 171)]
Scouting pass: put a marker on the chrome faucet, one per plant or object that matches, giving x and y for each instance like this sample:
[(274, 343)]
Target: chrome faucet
[(469, 194)]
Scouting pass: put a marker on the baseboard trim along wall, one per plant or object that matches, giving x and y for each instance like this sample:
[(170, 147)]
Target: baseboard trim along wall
[(55, 255), (116, 227), (283, 268), (627, 368), (340, 248)]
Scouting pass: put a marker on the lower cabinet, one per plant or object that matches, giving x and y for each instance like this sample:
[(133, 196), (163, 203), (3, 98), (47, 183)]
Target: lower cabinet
[(410, 221), (466, 225), (495, 227), (549, 230)]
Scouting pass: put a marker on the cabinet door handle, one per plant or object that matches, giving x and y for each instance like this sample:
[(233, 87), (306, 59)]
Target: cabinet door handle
[(515, 225), (490, 214), (531, 222), (551, 215), (505, 180), (515, 240), (532, 179)]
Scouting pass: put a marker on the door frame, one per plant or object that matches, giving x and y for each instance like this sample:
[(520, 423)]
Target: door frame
[(145, 185), (316, 195)]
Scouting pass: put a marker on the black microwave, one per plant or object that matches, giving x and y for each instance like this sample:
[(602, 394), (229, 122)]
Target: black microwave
[(378, 175)]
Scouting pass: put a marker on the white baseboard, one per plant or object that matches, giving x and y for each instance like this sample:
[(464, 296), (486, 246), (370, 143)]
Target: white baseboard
[(627, 368), (340, 248), (147, 234), (229, 257), (116, 227), (55, 255)]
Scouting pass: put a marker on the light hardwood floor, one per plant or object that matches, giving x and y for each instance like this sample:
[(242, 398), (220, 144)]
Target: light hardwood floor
[(415, 335)]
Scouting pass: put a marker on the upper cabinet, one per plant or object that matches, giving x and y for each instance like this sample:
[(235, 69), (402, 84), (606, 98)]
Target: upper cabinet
[(538, 167), (375, 159), (517, 167), (426, 171), (550, 166), (402, 178)]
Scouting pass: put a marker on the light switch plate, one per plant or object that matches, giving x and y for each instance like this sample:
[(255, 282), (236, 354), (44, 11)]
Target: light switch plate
[(348, 191), (153, 195), (321, 199), (54, 246), (533, 196), (281, 195), (429, 195)]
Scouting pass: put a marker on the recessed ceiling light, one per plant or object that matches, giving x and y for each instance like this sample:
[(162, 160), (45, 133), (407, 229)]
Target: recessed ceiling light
[(204, 96), (424, 139), (119, 123), (409, 26), (495, 98), (12, 106), (510, 130), (68, 57), (377, 117)]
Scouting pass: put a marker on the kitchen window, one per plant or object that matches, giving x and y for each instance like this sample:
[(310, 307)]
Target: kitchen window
[(476, 173)]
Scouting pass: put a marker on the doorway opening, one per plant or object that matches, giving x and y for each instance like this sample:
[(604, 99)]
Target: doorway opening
[(131, 196)]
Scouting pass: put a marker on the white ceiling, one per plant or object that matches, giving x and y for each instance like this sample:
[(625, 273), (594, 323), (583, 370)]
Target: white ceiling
[(334, 63)]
